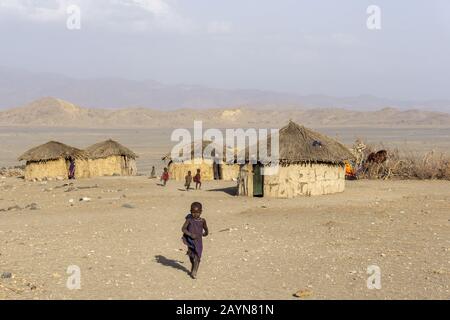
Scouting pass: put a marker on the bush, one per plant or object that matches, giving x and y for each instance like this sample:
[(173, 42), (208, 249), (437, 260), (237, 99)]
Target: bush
[(407, 165)]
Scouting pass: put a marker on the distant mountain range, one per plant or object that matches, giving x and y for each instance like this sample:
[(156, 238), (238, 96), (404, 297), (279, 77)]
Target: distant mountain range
[(52, 112), (19, 87)]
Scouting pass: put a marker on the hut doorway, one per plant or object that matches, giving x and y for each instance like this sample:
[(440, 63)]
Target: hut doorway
[(217, 171), (258, 181)]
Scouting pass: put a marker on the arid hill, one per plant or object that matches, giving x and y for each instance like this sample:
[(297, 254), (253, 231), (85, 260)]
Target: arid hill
[(17, 87), (52, 112)]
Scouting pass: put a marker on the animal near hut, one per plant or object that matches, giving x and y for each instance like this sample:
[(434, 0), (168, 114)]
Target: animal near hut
[(309, 164), (212, 165), (52, 160), (110, 158)]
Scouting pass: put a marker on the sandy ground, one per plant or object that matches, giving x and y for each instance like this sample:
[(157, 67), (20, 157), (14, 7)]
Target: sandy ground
[(258, 248)]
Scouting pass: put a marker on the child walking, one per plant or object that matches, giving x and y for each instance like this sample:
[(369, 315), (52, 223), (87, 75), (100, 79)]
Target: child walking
[(165, 176), (194, 228), (188, 180), (198, 180)]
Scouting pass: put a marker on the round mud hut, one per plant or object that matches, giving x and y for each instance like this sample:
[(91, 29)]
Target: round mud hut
[(210, 166), (52, 160), (309, 164), (110, 158)]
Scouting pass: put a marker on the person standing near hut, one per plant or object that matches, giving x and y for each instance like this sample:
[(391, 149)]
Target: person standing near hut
[(153, 173), (194, 229), (198, 180), (72, 169), (188, 180), (242, 181), (165, 176)]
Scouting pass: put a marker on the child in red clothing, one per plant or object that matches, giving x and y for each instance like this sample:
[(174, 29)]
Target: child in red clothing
[(165, 176)]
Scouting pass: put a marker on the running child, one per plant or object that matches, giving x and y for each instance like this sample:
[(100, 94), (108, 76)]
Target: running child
[(198, 180), (165, 176), (194, 229)]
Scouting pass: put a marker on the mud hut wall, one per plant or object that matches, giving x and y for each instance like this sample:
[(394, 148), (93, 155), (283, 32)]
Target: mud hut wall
[(82, 169), (106, 166), (178, 171), (230, 172), (46, 169), (305, 179)]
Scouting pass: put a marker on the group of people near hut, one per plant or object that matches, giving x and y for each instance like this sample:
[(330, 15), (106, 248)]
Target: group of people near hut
[(188, 179)]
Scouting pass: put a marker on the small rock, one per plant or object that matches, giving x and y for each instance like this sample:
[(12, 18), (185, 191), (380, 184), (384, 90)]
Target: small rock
[(6, 275), (128, 206), (32, 206), (85, 199), (304, 293), (31, 286), (16, 207)]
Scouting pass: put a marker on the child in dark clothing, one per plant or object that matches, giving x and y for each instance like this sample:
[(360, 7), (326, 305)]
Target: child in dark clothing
[(194, 228), (198, 180), (188, 180)]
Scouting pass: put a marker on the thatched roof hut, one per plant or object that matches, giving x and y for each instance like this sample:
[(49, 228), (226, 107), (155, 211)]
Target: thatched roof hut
[(209, 167), (204, 144), (110, 158), (310, 163), (109, 148), (51, 160), (298, 144), (52, 150)]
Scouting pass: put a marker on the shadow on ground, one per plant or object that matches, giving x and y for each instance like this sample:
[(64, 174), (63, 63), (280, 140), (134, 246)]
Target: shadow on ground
[(230, 190), (171, 263)]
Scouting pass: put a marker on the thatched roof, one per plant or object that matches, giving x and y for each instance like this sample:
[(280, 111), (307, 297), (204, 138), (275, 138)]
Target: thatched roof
[(52, 150), (205, 143), (107, 149), (298, 144)]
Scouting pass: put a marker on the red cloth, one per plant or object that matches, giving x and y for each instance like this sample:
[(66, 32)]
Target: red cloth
[(165, 176)]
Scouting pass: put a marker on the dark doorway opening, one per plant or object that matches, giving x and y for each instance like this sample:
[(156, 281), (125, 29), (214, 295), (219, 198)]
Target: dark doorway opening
[(217, 171), (258, 180)]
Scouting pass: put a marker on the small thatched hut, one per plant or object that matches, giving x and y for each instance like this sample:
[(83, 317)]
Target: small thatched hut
[(110, 158), (210, 168), (52, 160), (309, 164)]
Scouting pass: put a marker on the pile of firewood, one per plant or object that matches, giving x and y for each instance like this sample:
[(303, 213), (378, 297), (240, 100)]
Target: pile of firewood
[(430, 166)]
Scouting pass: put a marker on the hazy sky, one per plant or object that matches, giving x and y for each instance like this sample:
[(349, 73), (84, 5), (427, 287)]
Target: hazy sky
[(306, 47)]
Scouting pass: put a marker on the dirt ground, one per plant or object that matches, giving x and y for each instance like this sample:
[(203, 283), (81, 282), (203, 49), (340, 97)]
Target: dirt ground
[(126, 241)]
